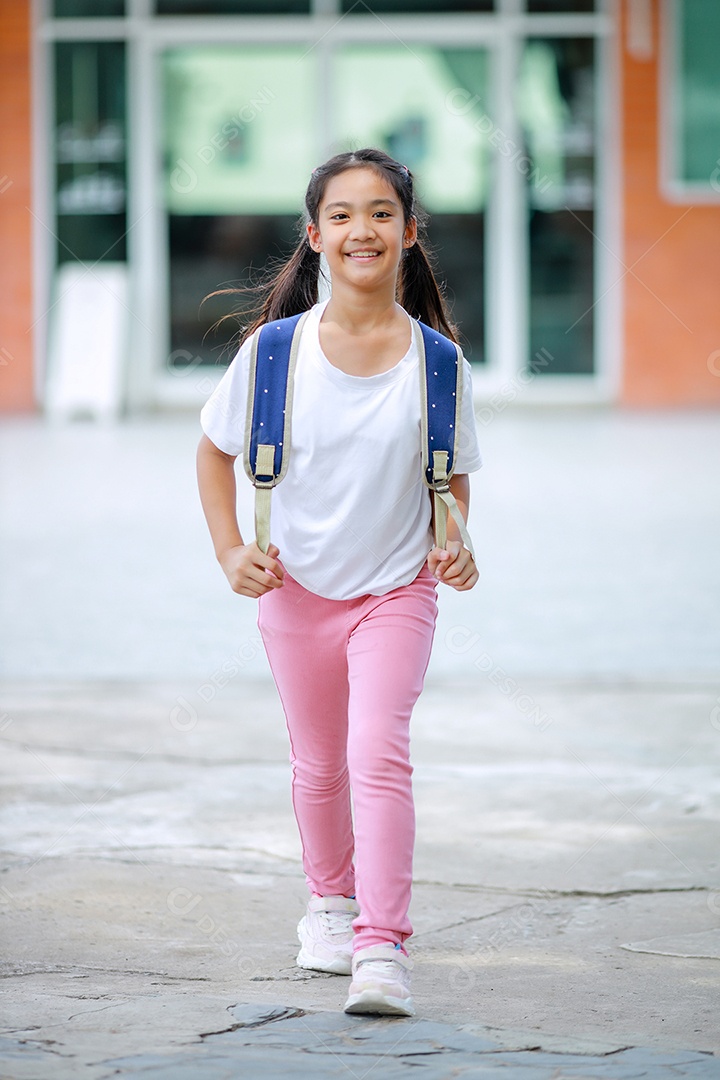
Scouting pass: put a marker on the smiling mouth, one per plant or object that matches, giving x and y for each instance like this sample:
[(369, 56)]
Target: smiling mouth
[(363, 254)]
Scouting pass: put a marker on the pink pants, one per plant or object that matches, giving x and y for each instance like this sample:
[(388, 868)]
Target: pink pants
[(349, 673)]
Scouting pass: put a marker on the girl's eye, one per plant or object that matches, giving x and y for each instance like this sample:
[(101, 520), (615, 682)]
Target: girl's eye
[(342, 216)]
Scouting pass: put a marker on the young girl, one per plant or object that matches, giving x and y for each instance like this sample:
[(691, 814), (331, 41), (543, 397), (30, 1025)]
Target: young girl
[(347, 594)]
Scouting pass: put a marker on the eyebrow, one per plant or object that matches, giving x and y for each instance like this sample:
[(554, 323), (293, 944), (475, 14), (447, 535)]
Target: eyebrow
[(373, 202)]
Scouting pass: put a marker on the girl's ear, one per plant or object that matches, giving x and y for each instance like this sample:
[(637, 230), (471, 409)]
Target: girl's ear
[(411, 230), (314, 237)]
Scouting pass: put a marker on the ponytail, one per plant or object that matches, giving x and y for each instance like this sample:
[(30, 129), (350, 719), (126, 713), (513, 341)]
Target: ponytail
[(285, 291), (419, 294), (294, 289)]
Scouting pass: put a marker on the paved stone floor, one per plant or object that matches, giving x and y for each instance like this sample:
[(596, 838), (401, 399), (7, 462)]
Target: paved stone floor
[(566, 899)]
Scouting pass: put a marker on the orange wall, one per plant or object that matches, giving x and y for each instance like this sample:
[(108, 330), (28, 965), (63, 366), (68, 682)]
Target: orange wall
[(672, 296), (16, 339)]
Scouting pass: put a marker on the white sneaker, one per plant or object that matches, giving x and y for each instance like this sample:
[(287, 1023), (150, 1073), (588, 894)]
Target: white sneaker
[(326, 934), (381, 982)]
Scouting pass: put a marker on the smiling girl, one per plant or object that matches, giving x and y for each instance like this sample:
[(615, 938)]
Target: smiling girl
[(347, 594)]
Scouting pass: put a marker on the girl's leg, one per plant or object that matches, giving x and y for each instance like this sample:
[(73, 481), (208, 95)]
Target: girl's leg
[(388, 654), (305, 639)]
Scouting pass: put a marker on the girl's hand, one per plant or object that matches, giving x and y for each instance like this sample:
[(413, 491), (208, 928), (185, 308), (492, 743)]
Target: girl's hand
[(453, 565), (249, 571)]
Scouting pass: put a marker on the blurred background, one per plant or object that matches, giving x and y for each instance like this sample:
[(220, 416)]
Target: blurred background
[(568, 152)]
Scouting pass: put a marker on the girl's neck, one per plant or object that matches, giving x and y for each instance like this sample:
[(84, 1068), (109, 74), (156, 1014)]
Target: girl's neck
[(361, 313)]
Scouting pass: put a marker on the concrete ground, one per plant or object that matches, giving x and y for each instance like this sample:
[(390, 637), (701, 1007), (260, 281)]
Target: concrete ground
[(567, 874)]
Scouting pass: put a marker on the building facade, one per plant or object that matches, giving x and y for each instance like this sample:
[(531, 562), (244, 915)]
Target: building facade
[(155, 151)]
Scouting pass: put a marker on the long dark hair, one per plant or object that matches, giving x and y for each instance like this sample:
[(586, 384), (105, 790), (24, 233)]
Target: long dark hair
[(294, 286)]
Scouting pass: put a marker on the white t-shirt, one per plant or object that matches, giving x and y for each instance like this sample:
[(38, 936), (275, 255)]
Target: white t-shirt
[(352, 515)]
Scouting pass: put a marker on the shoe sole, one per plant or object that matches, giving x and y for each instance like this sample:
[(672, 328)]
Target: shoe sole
[(374, 1001), (338, 966)]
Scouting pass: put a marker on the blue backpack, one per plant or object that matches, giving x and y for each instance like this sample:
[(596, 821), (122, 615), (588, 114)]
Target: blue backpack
[(269, 418)]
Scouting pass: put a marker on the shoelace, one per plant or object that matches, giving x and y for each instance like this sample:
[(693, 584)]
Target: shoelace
[(336, 922), (384, 969)]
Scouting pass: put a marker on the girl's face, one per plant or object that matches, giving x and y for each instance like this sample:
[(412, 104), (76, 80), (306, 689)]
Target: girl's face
[(361, 229)]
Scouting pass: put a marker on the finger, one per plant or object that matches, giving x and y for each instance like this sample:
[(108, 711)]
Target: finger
[(460, 576), (269, 565), (255, 590), (469, 584), (450, 567), (243, 589), (258, 579), (277, 571), (439, 553), (472, 578)]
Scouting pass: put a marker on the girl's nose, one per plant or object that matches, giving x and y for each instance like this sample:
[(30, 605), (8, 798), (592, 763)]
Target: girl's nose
[(362, 229)]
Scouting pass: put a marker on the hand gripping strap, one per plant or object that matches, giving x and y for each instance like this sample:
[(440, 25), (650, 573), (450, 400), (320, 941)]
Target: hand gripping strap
[(441, 381), (268, 423)]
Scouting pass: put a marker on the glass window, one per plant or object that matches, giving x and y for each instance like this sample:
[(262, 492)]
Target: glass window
[(68, 9), (697, 93), (239, 145), (413, 7), (427, 107), (575, 6), (90, 150), (232, 7), (556, 106)]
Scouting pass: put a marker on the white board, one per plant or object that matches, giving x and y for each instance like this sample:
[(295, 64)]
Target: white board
[(88, 339)]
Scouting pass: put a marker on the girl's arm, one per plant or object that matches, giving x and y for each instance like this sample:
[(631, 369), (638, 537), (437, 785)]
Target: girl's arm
[(454, 564), (249, 571)]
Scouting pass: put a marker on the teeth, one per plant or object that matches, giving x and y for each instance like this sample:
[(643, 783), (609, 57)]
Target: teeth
[(363, 254)]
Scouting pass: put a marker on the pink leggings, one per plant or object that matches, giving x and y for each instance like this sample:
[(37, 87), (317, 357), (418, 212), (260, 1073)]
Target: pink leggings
[(349, 673)]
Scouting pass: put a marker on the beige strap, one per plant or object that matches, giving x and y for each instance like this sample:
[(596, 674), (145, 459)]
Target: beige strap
[(439, 467), (262, 518), (264, 465), (445, 501), (440, 512), (265, 457)]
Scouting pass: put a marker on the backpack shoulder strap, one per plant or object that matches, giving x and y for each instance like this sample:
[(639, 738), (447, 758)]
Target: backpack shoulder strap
[(268, 424), (441, 384)]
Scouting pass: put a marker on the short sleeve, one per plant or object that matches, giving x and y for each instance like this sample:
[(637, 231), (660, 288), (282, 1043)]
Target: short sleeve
[(468, 451), (223, 415)]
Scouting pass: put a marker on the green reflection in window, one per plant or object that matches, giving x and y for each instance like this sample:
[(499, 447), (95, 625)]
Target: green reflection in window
[(232, 7), (556, 106), (90, 150), (575, 6), (240, 141), (238, 129), (413, 7), (698, 30), (427, 107), (68, 9)]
